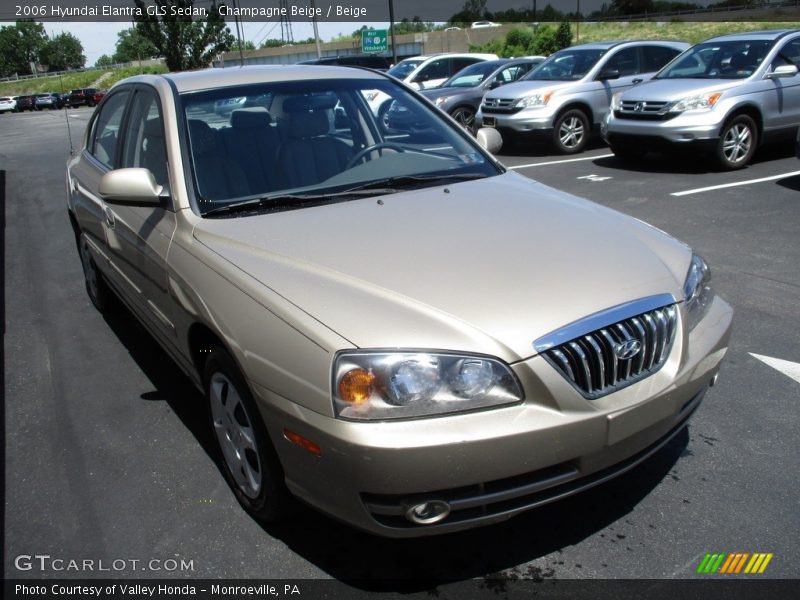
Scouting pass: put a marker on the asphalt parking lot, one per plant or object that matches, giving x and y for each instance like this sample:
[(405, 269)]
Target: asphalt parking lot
[(108, 457)]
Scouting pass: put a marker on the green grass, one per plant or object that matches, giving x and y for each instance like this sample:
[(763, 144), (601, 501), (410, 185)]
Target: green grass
[(691, 32), (70, 81)]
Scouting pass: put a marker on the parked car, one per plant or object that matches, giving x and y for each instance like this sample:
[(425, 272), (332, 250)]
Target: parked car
[(49, 100), (98, 96), (566, 97), (26, 103), (370, 61), (725, 95), (7, 104), (482, 24), (82, 97), (431, 377), (424, 72), (461, 95)]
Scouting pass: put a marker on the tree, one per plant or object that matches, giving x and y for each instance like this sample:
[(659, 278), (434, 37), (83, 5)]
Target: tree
[(563, 35), (632, 7), (62, 52), (183, 42), (104, 61), (132, 46), (20, 46)]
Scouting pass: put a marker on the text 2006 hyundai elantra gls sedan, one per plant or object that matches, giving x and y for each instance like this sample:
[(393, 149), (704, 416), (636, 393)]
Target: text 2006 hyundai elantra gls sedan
[(387, 324)]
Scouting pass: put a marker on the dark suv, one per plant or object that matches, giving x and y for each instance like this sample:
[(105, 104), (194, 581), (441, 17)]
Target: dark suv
[(82, 96), (26, 103)]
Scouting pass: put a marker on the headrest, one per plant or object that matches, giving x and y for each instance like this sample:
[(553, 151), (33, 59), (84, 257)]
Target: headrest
[(309, 124), (300, 104), (202, 137), (152, 128), (256, 116)]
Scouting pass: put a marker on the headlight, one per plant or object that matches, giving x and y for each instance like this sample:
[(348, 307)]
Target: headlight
[(535, 101), (697, 292), (702, 102), (616, 101), (372, 385)]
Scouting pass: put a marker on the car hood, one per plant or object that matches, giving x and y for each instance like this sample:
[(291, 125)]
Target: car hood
[(485, 266), (670, 90), (520, 89), (447, 92)]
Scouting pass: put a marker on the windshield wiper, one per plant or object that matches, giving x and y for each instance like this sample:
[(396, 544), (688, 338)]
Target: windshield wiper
[(388, 185), (400, 182)]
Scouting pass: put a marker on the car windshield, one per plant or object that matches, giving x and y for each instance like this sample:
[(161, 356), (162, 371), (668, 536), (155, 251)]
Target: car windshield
[(286, 145), (471, 76), (566, 65), (718, 60), (403, 69)]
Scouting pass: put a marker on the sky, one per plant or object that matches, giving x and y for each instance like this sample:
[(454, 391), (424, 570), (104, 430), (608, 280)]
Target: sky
[(101, 38)]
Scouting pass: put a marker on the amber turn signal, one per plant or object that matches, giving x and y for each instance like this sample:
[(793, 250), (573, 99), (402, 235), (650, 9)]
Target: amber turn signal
[(355, 386), (304, 443)]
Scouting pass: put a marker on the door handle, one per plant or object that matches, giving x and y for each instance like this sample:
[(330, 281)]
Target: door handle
[(635, 81), (109, 218)]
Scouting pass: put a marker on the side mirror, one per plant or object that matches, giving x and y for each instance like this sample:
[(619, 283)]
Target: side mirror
[(783, 71), (490, 139), (136, 187), (606, 74), (494, 83)]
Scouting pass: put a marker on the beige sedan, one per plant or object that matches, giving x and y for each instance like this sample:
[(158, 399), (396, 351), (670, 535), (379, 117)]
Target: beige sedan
[(387, 324)]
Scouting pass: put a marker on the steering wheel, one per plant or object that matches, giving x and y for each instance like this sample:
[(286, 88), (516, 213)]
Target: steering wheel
[(365, 151)]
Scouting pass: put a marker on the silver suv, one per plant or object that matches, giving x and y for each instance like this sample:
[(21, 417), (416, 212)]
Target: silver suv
[(568, 95), (725, 95)]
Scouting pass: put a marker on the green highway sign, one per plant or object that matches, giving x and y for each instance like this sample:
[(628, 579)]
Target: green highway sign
[(374, 40)]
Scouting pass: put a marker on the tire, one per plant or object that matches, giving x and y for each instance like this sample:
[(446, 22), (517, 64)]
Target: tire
[(737, 143), (465, 116), (90, 103), (248, 459), (383, 109), (96, 287), (571, 131)]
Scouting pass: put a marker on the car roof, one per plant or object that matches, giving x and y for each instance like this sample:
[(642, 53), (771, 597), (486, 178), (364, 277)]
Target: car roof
[(768, 34), (190, 81), (614, 43)]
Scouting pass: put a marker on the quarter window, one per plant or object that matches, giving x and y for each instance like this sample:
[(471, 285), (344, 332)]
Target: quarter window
[(106, 131)]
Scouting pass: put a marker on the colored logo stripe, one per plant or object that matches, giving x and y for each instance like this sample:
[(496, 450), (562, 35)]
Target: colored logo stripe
[(734, 563)]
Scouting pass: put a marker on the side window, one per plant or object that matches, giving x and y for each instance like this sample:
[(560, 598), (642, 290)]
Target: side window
[(438, 69), (625, 61), (461, 63), (106, 132), (144, 136), (789, 55), (656, 57)]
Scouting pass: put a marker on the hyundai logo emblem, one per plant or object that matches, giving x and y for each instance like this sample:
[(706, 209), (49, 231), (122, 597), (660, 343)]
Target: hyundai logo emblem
[(627, 349)]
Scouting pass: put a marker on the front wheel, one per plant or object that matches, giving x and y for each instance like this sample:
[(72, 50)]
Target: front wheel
[(249, 461), (465, 116), (571, 131), (737, 143)]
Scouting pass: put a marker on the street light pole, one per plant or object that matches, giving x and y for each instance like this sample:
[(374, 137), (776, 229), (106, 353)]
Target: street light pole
[(316, 30), (391, 31)]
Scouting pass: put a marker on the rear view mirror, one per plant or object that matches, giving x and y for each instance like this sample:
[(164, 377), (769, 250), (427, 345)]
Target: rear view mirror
[(490, 139), (133, 186)]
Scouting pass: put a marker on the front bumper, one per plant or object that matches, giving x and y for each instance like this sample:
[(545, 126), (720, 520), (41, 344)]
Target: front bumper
[(526, 121), (491, 465), (690, 128)]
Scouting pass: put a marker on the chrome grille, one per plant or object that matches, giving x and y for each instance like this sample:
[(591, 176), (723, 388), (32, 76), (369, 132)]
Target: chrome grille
[(644, 110), (595, 361), (498, 104)]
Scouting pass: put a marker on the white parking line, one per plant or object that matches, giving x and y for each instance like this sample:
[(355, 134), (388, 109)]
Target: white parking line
[(558, 162), (734, 184)]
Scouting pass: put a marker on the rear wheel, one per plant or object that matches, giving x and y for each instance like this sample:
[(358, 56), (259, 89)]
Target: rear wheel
[(249, 461), (96, 286), (737, 143), (571, 131)]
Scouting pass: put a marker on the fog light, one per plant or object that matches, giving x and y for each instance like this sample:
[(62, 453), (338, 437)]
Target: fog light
[(428, 513)]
